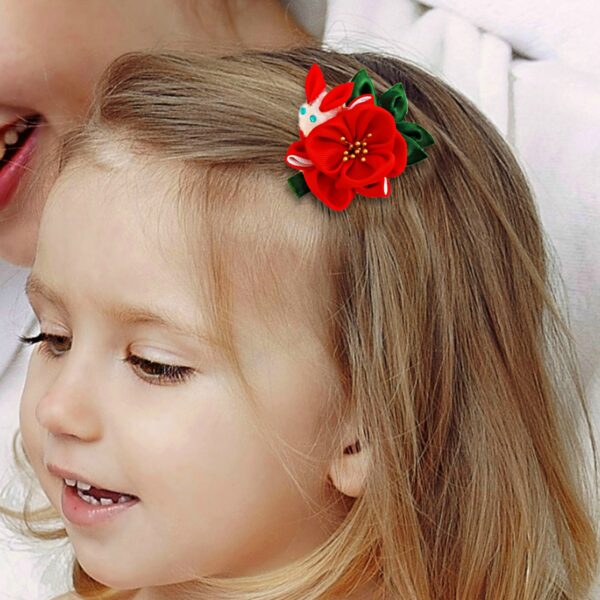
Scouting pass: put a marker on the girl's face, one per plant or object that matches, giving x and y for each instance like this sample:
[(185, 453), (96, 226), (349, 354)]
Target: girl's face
[(52, 53), (109, 282)]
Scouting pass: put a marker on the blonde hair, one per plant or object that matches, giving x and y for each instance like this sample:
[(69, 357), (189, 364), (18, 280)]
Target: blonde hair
[(455, 361)]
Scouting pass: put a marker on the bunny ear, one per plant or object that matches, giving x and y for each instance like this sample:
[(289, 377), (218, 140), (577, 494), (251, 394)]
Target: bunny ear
[(315, 83), (336, 96)]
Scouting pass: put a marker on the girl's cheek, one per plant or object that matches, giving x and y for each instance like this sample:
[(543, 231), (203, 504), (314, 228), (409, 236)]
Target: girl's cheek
[(31, 436), (32, 433)]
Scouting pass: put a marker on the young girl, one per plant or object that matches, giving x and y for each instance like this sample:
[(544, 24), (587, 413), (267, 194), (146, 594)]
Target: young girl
[(242, 392)]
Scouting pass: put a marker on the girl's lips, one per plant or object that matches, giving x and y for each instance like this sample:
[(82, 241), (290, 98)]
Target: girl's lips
[(11, 173), (79, 512)]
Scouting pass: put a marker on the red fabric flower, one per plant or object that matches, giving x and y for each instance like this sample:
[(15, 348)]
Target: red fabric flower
[(355, 152)]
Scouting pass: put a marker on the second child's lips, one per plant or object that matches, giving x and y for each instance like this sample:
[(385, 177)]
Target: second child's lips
[(12, 171)]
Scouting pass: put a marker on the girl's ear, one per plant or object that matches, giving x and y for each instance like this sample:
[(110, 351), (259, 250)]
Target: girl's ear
[(348, 470)]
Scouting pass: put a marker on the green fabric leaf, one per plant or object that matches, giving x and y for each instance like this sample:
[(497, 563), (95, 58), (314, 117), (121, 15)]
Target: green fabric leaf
[(394, 101), (415, 152), (298, 184), (415, 132), (362, 85)]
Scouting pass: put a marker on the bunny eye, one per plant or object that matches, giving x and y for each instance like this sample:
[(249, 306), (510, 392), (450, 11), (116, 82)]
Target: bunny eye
[(312, 119), (303, 110)]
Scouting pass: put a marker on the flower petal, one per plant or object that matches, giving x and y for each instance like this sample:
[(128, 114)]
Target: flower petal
[(324, 188), (356, 173), (400, 154), (379, 189), (375, 120), (296, 156), (324, 146), (297, 161)]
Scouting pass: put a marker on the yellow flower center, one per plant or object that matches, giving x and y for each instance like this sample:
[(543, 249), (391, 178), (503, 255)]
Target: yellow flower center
[(355, 149)]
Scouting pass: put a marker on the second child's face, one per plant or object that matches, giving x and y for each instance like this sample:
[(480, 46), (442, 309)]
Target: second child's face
[(214, 497), (51, 54)]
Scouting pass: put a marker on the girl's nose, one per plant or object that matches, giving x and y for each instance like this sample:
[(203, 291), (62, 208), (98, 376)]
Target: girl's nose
[(70, 406)]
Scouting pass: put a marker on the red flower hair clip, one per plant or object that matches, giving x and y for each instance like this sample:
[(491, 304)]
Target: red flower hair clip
[(352, 141)]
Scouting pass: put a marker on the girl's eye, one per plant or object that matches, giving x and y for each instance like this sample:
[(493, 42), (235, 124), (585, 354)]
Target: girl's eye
[(53, 346), (158, 372)]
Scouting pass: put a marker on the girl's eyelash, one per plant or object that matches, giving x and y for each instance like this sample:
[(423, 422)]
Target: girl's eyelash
[(155, 373), (44, 338), (159, 371)]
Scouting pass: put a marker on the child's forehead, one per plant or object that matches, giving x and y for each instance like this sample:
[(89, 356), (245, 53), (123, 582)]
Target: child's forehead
[(190, 212), (254, 204), (270, 243)]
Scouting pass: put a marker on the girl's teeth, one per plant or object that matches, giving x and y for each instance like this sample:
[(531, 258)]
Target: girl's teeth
[(88, 499), (102, 501)]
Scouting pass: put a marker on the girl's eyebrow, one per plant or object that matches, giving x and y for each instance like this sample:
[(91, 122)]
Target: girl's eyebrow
[(125, 314), (34, 285)]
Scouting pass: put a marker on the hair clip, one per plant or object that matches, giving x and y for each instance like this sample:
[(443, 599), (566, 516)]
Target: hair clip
[(352, 141)]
